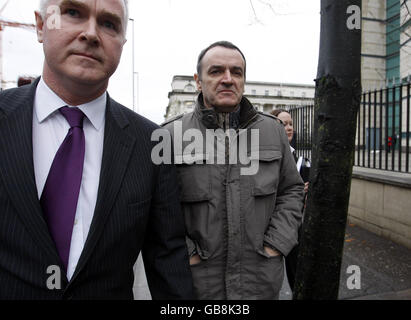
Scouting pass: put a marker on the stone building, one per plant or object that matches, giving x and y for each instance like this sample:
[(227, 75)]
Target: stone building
[(386, 43), (386, 63)]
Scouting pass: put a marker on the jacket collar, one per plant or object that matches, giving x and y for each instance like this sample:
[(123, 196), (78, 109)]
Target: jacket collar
[(209, 116)]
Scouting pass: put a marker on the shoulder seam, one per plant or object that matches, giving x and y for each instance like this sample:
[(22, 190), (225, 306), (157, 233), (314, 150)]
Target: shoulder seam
[(172, 119), (268, 115)]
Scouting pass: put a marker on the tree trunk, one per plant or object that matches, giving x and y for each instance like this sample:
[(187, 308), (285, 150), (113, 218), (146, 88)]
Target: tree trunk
[(337, 101)]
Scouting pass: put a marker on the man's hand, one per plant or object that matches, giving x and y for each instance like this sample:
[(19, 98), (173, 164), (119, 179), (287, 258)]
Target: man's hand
[(271, 252), (195, 260)]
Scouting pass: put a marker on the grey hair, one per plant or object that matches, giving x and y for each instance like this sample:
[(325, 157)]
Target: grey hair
[(43, 10)]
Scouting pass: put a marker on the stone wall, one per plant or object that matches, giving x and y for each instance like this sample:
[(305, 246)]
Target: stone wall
[(381, 203)]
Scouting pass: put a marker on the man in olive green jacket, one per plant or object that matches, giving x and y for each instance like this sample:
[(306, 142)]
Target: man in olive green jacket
[(241, 217)]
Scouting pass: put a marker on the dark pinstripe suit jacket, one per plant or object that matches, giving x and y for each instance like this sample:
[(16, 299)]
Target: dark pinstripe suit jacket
[(137, 209)]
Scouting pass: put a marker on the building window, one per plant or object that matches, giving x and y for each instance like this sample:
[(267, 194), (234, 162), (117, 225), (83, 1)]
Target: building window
[(279, 93), (303, 94), (267, 92), (292, 93), (254, 92)]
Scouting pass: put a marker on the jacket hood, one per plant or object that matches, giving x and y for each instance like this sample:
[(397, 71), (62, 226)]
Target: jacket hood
[(209, 116)]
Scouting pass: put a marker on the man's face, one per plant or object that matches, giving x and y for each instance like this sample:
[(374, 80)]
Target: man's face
[(222, 78), (87, 47)]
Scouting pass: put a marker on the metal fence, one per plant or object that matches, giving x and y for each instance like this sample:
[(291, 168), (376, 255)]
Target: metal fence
[(303, 122), (383, 129)]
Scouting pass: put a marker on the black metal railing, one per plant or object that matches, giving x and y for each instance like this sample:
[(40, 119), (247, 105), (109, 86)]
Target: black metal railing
[(383, 129), (303, 122)]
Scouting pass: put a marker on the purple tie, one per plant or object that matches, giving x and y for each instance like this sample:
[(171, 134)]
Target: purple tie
[(62, 188)]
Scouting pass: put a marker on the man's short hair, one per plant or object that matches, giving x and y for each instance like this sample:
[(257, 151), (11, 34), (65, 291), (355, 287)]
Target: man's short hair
[(224, 44), (43, 11)]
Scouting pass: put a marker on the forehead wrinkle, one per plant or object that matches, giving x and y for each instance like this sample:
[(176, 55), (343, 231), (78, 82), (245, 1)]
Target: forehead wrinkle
[(230, 63), (45, 3), (223, 66), (103, 12)]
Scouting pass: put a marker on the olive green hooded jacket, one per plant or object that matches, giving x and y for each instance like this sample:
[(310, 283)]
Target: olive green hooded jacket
[(231, 214)]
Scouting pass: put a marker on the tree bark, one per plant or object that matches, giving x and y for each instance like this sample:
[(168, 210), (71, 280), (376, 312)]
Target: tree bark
[(337, 101)]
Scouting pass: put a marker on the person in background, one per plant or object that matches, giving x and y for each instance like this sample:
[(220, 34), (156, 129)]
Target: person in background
[(287, 121), (285, 118)]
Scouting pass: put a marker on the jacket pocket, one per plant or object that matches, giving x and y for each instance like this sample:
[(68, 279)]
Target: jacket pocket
[(265, 181), (195, 195), (130, 221), (194, 180), (139, 209), (269, 273), (263, 187), (270, 277)]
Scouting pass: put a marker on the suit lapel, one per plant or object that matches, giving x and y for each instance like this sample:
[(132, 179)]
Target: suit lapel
[(117, 149), (17, 169)]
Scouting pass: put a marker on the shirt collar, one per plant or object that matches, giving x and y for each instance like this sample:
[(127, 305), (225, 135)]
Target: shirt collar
[(47, 102)]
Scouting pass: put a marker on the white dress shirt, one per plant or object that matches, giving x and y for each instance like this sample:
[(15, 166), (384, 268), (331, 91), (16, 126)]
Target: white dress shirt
[(49, 131)]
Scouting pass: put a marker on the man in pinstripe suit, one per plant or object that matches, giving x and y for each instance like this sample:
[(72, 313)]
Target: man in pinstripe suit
[(61, 239)]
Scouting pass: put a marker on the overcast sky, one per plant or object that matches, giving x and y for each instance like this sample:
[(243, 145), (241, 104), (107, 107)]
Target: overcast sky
[(281, 45)]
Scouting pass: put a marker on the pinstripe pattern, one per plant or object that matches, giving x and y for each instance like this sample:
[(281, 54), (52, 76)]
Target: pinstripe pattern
[(136, 209)]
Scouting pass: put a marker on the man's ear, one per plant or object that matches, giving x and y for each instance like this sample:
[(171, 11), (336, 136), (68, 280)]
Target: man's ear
[(198, 81), (39, 26)]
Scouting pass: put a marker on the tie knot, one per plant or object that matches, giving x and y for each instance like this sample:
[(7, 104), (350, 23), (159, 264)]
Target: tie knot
[(74, 116)]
